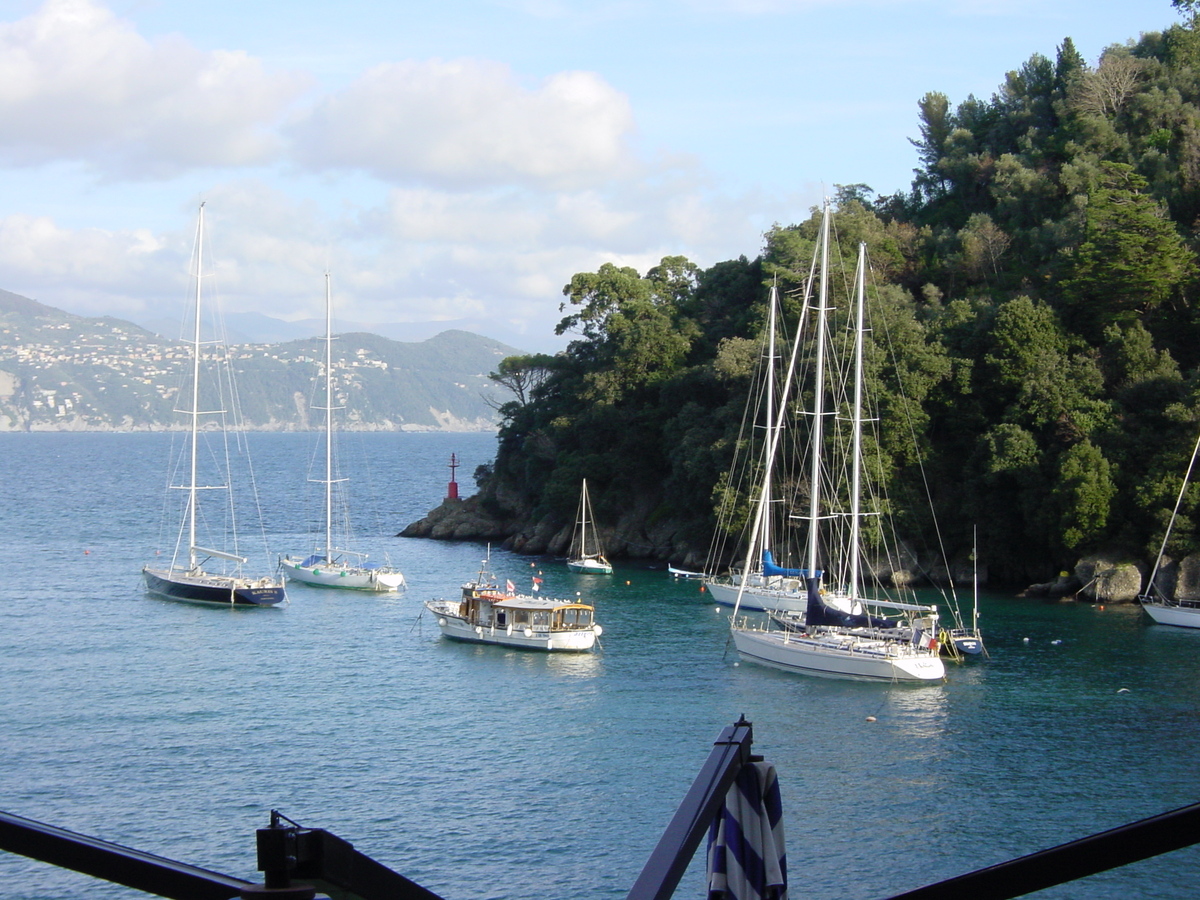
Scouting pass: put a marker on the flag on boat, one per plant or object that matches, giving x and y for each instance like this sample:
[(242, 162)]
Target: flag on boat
[(746, 856), (537, 584), (923, 639), (509, 587)]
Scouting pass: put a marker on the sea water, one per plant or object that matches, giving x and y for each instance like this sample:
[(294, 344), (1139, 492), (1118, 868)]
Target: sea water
[(482, 772)]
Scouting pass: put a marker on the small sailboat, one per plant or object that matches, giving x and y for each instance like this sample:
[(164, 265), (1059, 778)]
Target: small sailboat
[(1162, 609), (964, 640), (842, 633), (329, 565), (197, 574), (587, 556), (489, 614)]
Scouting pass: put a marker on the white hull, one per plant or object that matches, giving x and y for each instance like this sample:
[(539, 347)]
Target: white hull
[(1171, 614), (351, 578), (589, 567), (457, 628), (838, 656), (759, 597)]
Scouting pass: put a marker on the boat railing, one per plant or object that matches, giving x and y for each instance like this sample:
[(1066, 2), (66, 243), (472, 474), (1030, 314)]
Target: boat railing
[(298, 862)]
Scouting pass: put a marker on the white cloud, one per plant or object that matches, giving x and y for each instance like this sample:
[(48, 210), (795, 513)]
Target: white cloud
[(77, 83), (469, 123), (88, 271)]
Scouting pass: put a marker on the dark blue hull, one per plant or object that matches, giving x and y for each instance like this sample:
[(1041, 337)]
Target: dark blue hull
[(214, 590)]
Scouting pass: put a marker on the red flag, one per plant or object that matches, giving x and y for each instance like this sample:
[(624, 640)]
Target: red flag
[(510, 587), (537, 584)]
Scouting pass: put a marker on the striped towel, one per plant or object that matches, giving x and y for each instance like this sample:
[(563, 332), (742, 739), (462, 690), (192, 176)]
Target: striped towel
[(746, 855)]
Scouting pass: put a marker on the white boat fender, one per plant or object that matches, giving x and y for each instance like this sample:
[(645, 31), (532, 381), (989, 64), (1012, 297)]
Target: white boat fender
[(442, 621), (508, 631), (479, 629), (599, 631), (528, 631)]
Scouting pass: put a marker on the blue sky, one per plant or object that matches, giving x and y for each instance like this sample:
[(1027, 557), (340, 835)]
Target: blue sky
[(454, 164)]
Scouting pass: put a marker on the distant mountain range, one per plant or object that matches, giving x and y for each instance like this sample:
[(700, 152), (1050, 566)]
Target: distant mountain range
[(59, 371), (255, 328)]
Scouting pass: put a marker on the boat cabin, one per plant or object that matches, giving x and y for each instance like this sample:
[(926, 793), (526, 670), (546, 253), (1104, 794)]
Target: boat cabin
[(493, 608)]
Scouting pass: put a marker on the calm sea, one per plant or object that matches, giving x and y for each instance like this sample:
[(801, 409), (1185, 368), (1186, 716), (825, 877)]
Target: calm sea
[(486, 773)]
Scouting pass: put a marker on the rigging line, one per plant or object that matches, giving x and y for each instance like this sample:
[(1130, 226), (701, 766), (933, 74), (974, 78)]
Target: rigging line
[(953, 597), (1175, 512)]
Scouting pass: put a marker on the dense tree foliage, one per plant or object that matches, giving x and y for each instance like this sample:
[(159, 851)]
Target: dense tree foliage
[(1036, 327)]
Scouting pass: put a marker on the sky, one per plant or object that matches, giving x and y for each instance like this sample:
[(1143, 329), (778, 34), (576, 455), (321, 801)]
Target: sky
[(453, 164)]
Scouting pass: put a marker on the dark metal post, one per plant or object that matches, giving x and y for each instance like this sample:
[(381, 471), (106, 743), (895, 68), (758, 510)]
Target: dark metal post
[(670, 859)]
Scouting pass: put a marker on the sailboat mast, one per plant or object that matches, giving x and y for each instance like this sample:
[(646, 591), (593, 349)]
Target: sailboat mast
[(764, 540), (856, 425), (814, 504), (328, 423), (195, 412), (583, 517)]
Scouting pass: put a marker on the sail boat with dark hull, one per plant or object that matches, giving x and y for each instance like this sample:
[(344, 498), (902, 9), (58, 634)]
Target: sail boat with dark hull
[(193, 574)]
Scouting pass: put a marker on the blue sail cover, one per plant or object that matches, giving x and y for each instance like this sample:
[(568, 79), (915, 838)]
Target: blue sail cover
[(771, 568), (820, 614)]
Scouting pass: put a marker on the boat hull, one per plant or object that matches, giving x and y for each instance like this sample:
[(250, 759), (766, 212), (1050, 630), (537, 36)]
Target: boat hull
[(214, 590), (457, 628), (845, 657), (589, 567), (1172, 614), (755, 597), (350, 578)]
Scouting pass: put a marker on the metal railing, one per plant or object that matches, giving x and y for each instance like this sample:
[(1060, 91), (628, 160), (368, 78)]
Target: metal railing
[(298, 862)]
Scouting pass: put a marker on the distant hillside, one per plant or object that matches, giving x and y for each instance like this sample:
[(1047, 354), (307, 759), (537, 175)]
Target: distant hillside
[(60, 371)]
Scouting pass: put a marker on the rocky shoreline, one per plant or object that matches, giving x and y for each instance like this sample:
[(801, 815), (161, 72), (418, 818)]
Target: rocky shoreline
[(1105, 579), (471, 519), (1097, 578)]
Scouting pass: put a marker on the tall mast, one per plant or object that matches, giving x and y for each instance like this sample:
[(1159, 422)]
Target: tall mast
[(856, 423), (583, 517), (195, 412), (814, 506), (770, 442), (328, 422)]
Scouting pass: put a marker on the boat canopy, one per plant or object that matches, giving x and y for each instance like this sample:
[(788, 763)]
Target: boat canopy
[(771, 568)]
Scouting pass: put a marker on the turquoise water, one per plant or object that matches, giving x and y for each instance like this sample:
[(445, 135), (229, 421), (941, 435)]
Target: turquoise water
[(487, 773)]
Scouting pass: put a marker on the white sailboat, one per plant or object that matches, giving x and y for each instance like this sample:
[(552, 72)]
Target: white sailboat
[(1163, 609), (330, 565), (843, 634), (197, 574), (762, 584), (587, 556)]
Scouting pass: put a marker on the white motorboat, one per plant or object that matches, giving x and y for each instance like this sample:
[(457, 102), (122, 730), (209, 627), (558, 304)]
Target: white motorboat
[(487, 614)]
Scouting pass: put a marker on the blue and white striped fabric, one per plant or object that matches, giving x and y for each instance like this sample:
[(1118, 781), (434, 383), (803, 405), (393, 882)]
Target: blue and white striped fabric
[(746, 855)]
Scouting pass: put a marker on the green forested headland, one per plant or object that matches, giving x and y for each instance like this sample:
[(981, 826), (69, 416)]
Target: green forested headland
[(1039, 284)]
